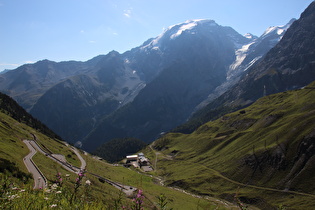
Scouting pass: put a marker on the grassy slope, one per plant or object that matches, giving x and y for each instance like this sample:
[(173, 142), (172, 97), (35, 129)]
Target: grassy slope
[(257, 146), (11, 134), (209, 161), (12, 148)]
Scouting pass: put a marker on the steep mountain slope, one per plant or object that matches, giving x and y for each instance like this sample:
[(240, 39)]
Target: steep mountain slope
[(203, 53), (170, 97), (178, 70), (16, 125), (266, 151), (249, 53), (17, 184), (246, 56), (72, 104), (14, 110), (78, 102), (290, 64)]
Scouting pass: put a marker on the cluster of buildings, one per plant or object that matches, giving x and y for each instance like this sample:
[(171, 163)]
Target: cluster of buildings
[(139, 161)]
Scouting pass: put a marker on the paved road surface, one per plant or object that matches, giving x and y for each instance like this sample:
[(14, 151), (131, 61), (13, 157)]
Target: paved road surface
[(83, 163), (39, 179)]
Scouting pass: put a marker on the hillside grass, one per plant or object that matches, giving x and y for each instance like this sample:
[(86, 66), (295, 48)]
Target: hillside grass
[(151, 187), (12, 147), (100, 195), (209, 163), (215, 159), (58, 147)]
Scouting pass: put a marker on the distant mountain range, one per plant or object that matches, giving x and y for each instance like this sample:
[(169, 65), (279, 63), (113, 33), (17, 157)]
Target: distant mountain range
[(142, 92)]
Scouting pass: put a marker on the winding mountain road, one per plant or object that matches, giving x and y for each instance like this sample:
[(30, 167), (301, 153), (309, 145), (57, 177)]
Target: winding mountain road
[(83, 163), (66, 165), (40, 181)]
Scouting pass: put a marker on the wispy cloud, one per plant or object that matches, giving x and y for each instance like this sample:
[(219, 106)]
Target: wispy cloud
[(92, 42), (112, 31), (4, 66), (128, 13), (9, 64)]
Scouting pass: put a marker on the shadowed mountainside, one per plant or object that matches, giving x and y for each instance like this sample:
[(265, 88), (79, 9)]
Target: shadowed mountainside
[(289, 65)]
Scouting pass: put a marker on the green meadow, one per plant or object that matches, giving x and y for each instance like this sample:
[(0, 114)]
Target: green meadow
[(255, 154)]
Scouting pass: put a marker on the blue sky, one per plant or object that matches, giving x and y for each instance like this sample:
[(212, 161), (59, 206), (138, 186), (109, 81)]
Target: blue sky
[(61, 30)]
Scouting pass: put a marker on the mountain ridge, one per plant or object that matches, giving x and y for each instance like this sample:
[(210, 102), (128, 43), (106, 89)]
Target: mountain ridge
[(142, 118), (289, 65), (205, 49)]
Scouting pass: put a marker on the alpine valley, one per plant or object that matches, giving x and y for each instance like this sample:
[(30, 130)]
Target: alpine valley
[(142, 92), (227, 120)]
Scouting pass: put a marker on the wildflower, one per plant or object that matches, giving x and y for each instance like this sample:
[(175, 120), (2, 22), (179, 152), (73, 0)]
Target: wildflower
[(77, 184), (67, 175), (53, 206), (88, 182), (22, 190), (45, 198), (139, 194), (58, 192), (11, 197), (138, 200), (54, 186)]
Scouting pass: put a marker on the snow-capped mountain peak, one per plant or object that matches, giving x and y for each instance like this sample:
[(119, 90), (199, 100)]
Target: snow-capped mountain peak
[(274, 29), (183, 28), (279, 30), (189, 25), (174, 31), (247, 54), (250, 36)]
